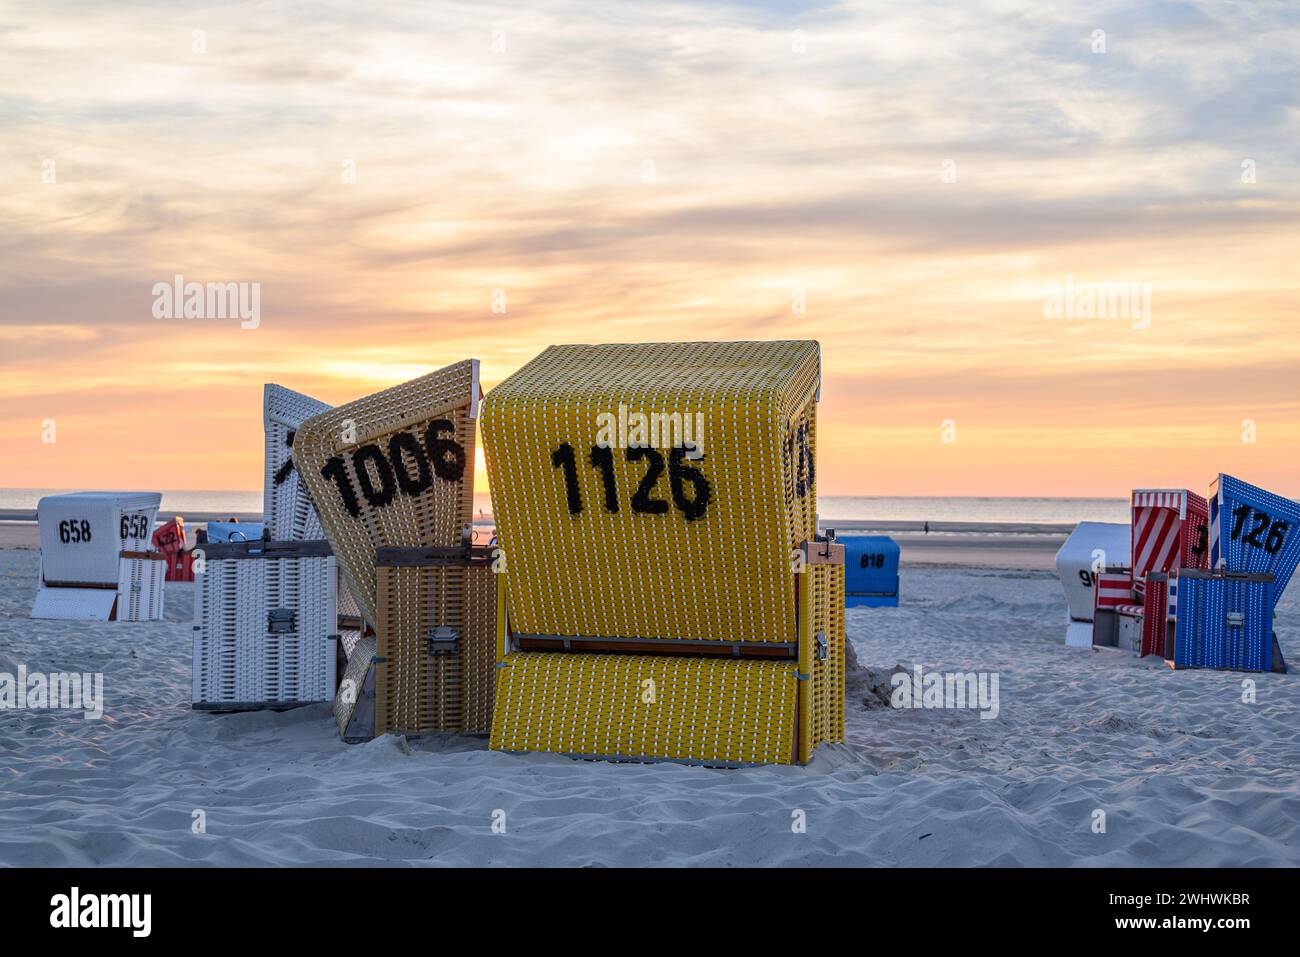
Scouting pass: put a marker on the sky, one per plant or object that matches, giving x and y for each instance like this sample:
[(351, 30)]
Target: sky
[(934, 192)]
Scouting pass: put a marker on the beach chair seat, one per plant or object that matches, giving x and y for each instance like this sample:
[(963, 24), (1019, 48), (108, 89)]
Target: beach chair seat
[(1090, 548), (1113, 591), (395, 470), (266, 626), (1224, 620), (664, 585), (97, 557)]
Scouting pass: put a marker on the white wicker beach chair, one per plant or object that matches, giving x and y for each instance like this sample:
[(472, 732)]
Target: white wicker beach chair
[(287, 508), (265, 626), (97, 558)]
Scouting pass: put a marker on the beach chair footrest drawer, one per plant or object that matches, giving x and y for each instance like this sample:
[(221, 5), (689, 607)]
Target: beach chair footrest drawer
[(714, 711)]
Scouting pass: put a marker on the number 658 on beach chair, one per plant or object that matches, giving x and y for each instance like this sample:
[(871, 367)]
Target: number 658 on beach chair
[(665, 594), (97, 557)]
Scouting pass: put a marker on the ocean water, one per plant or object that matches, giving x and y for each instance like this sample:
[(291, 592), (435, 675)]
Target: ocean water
[(992, 511), (902, 511)]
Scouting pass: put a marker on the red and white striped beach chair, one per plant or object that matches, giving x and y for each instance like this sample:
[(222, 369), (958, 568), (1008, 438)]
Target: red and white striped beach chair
[(1170, 531)]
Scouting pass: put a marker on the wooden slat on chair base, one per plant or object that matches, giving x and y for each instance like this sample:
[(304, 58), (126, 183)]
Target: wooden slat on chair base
[(435, 658), (354, 705)]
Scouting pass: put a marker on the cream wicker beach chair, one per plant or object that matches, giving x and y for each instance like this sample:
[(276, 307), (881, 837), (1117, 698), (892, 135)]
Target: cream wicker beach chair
[(665, 595), (396, 470), (98, 561)]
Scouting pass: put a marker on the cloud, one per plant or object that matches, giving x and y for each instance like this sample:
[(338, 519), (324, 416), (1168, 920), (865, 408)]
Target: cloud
[(660, 171)]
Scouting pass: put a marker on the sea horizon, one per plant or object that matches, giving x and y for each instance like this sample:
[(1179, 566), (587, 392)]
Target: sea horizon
[(898, 511)]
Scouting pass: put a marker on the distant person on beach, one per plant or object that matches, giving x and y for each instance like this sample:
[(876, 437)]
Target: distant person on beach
[(927, 528)]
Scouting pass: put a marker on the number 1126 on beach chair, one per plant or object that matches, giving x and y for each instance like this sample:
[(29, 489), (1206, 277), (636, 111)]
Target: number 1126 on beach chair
[(665, 594)]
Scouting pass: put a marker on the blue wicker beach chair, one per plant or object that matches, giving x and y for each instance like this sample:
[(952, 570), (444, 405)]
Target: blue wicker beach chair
[(1253, 531), (1223, 618)]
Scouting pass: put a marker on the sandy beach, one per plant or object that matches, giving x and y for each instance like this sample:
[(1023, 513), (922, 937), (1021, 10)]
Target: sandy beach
[(978, 547), (1185, 772)]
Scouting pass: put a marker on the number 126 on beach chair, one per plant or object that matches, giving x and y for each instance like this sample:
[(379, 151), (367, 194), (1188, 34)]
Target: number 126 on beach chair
[(665, 595), (1223, 618)]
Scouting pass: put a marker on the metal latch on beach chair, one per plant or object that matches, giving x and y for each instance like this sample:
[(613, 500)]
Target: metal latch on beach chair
[(1236, 619), (281, 621), (443, 641), (823, 646)]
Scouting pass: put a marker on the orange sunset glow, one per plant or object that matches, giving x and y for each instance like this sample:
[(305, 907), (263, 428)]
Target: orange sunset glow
[(907, 186)]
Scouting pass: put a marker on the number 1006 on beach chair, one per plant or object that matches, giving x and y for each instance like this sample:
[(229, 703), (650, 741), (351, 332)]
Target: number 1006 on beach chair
[(665, 595)]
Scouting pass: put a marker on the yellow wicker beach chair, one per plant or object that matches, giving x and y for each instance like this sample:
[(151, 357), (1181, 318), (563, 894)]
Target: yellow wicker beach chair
[(665, 594), (395, 470)]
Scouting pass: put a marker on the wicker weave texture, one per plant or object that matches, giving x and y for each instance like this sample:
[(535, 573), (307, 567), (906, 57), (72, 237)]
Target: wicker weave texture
[(676, 707), (238, 659), (425, 686), (286, 507), (393, 469), (140, 588), (827, 683), (626, 543)]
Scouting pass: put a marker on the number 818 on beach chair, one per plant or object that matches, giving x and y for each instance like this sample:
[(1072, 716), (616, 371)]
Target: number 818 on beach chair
[(665, 594)]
